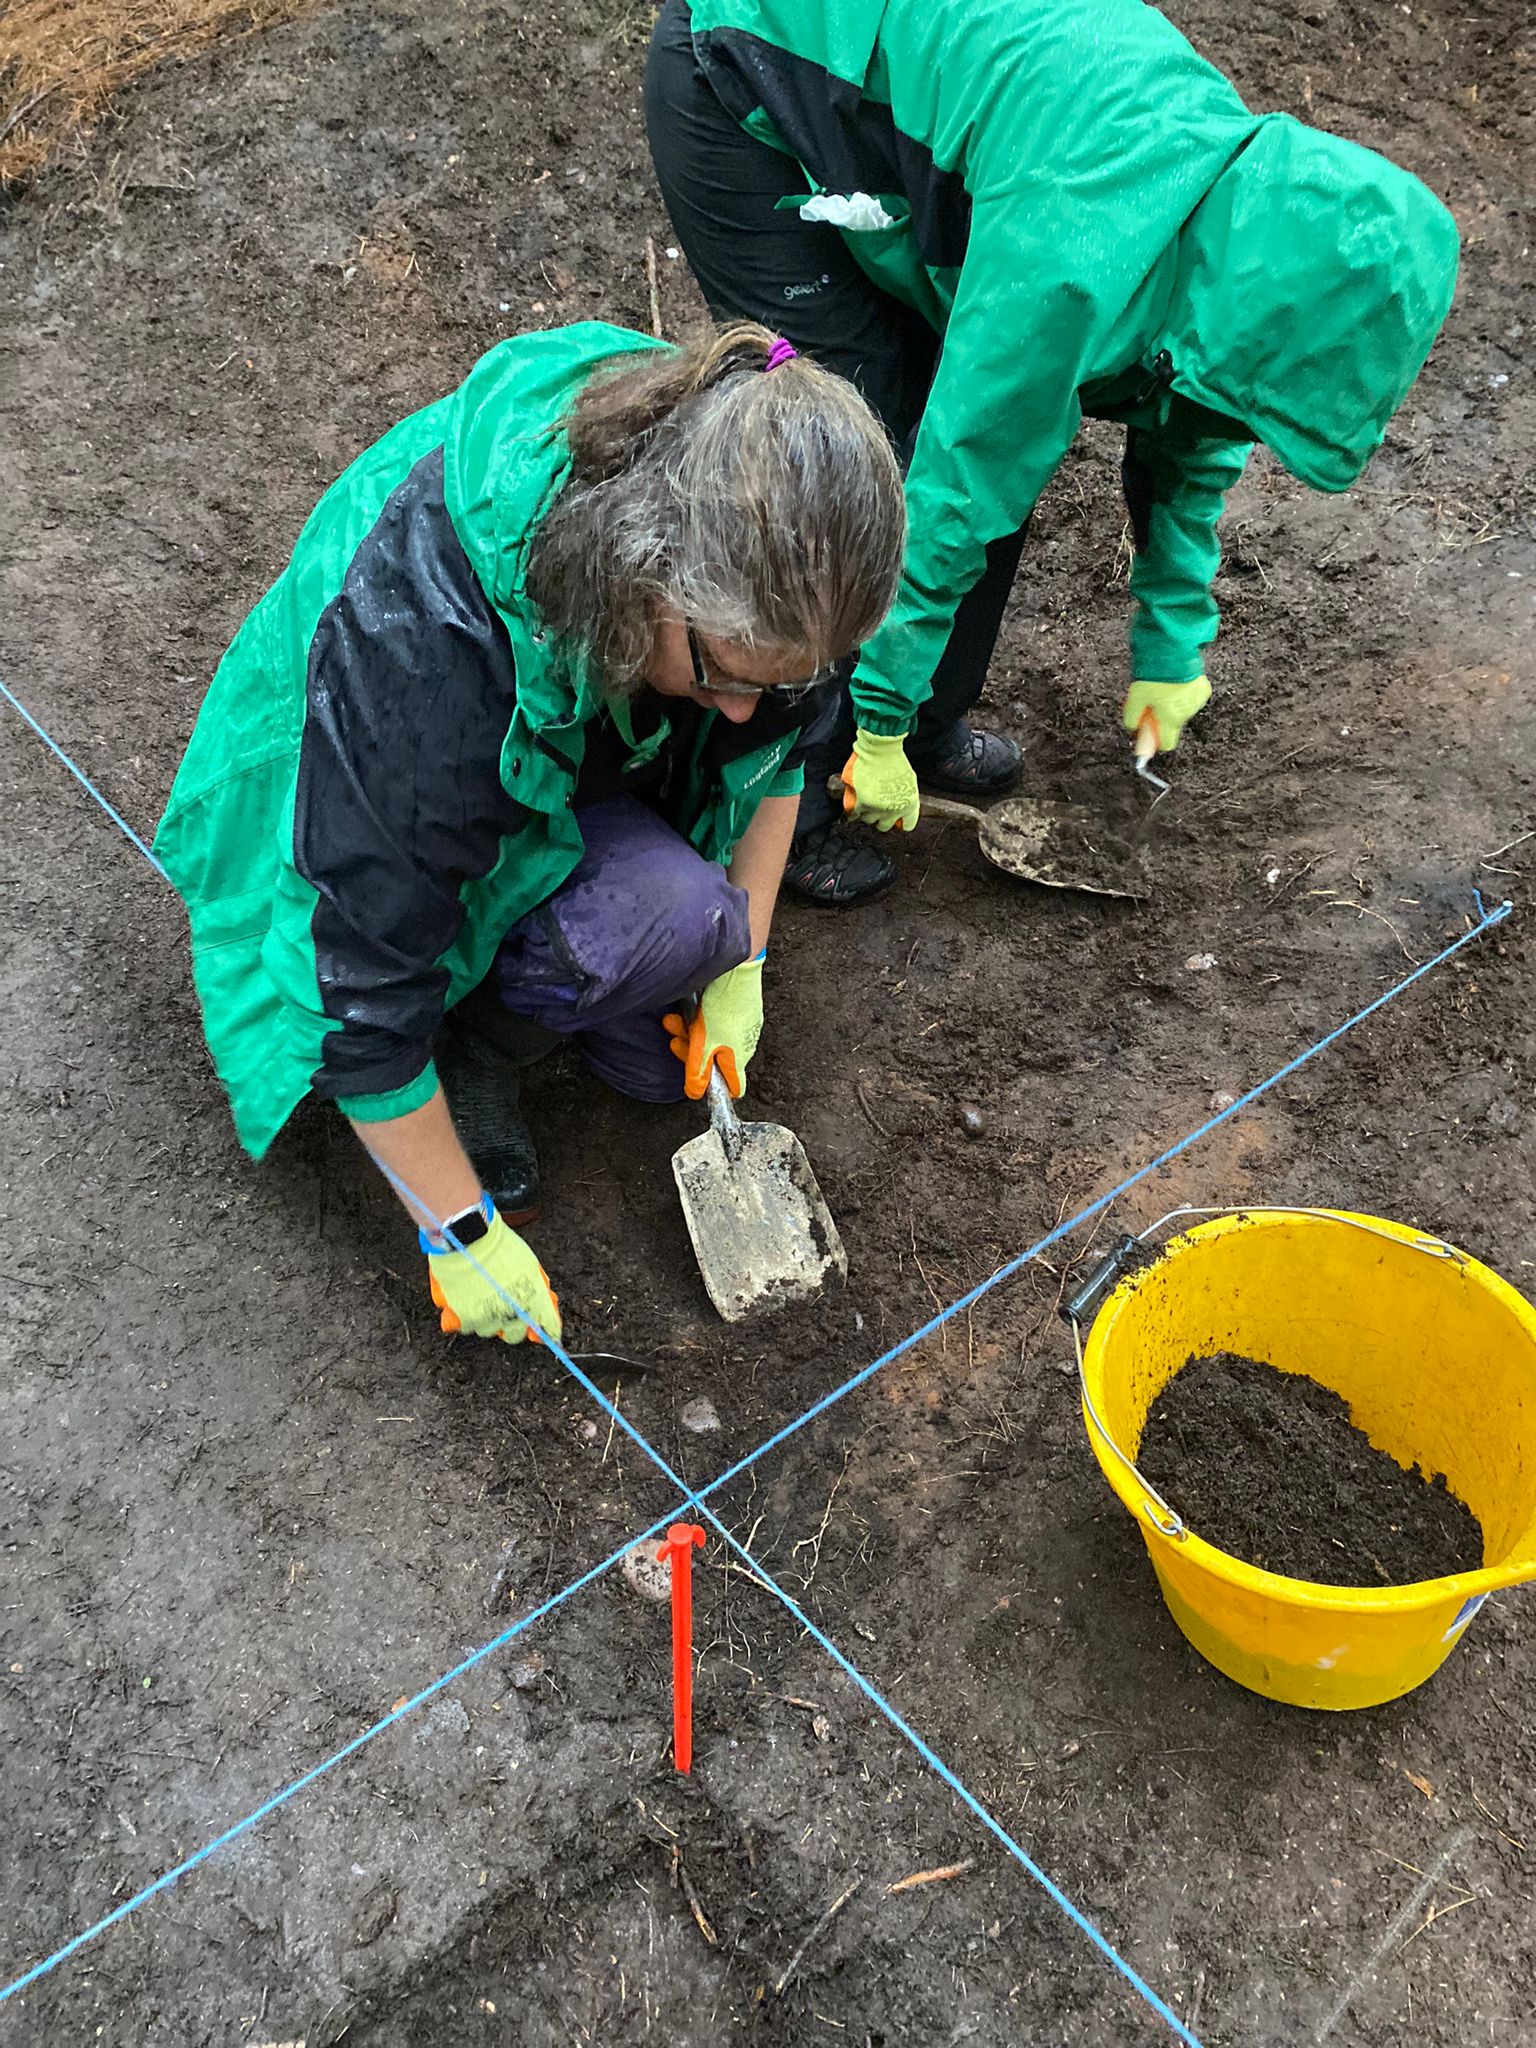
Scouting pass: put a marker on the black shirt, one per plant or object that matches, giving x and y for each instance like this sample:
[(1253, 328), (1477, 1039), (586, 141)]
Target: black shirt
[(612, 767)]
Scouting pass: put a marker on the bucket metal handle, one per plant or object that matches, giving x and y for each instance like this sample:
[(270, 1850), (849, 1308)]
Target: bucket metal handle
[(1422, 1241), (1089, 1296), (1164, 1518)]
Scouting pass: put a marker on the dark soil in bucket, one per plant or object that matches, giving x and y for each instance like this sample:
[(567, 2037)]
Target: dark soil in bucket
[(1268, 1466)]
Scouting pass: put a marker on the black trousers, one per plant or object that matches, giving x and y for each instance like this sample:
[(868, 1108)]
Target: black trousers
[(797, 277)]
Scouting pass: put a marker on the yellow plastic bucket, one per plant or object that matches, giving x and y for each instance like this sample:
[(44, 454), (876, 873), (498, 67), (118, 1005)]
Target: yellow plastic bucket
[(1436, 1357)]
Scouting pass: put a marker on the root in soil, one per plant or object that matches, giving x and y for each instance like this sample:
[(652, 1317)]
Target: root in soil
[(62, 61), (1268, 1466)]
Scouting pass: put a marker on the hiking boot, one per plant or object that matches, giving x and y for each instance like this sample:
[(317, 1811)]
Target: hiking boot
[(969, 764), (481, 1083), (831, 867)]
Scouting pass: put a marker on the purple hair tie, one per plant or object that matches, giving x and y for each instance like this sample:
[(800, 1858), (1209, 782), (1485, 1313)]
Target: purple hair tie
[(782, 352)]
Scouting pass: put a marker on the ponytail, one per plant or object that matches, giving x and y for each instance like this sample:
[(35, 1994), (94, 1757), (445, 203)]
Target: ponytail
[(764, 505)]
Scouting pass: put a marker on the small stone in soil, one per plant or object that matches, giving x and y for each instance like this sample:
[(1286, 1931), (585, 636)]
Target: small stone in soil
[(647, 1574), (526, 1671), (972, 1122), (1267, 1466), (699, 1416), (443, 1719)]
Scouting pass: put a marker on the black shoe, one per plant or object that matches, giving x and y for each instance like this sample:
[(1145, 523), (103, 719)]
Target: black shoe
[(828, 866), (481, 1084), (971, 764)]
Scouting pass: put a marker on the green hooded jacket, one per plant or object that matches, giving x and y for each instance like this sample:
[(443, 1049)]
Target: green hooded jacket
[(379, 782), (1086, 211)]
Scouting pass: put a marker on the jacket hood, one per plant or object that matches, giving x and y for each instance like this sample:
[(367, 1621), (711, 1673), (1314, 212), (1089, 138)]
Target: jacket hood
[(1312, 279)]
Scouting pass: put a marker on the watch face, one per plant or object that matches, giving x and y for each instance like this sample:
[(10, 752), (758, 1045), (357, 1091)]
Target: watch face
[(471, 1226), (467, 1229)]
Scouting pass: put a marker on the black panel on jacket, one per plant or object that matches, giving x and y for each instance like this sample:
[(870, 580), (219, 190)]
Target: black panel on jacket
[(411, 689), (847, 143)]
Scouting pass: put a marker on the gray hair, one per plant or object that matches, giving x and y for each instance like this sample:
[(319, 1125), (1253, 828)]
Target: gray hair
[(764, 508)]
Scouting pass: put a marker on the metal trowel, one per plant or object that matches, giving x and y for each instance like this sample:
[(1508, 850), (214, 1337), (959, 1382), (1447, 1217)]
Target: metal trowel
[(1059, 845), (762, 1233)]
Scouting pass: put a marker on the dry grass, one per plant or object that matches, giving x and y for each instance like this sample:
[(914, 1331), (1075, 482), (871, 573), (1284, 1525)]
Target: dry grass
[(61, 61)]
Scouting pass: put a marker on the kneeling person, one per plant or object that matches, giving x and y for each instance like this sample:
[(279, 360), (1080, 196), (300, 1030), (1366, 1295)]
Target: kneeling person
[(511, 750)]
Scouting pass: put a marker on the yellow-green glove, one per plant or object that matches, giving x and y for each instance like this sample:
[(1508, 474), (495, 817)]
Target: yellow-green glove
[(879, 782), (1158, 712), (468, 1299), (723, 1030)]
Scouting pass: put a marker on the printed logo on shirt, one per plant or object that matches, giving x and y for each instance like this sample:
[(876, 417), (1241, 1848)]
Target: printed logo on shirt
[(809, 289), (767, 768)]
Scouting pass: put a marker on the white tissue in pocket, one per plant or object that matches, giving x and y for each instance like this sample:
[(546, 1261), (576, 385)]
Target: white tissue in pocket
[(859, 211)]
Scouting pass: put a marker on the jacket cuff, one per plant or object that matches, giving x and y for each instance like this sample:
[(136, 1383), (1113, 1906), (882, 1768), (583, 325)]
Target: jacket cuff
[(1159, 658), (885, 725), (379, 1109)]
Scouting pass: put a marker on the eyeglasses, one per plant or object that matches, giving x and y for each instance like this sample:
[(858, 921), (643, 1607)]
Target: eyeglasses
[(732, 686)]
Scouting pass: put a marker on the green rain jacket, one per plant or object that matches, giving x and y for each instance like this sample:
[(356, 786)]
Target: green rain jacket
[(380, 779), (1095, 223)]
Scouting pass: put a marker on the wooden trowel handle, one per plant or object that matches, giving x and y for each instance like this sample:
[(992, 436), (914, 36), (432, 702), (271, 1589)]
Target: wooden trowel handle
[(933, 806)]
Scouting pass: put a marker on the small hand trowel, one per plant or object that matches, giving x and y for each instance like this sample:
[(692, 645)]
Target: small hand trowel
[(1059, 845), (762, 1233), (1040, 839)]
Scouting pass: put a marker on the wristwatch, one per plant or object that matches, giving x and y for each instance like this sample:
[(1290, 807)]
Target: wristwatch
[(469, 1226)]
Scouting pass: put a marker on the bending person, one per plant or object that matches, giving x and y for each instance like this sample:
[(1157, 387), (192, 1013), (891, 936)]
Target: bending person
[(512, 750), (996, 216)]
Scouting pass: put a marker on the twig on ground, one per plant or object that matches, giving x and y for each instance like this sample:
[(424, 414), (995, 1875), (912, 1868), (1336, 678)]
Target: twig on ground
[(858, 1089), (1483, 1808), (1336, 902), (1486, 860), (941, 1875), (836, 1907), (933, 1293), (654, 1818), (653, 286), (1439, 1913), (813, 1543), (681, 1878)]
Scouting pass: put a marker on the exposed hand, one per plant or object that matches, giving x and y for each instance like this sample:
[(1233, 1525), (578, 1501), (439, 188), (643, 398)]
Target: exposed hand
[(1158, 712), (879, 782), (723, 1031), (469, 1299)]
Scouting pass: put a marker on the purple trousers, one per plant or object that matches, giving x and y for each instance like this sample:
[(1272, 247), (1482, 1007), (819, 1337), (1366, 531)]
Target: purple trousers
[(641, 923)]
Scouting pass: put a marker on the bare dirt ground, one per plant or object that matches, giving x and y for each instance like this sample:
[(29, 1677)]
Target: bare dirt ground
[(253, 1497)]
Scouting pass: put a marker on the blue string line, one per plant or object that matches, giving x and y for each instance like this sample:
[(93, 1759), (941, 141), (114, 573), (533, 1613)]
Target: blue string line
[(86, 783), (698, 1499), (230, 1834), (988, 1820), (877, 1699), (690, 1498)]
